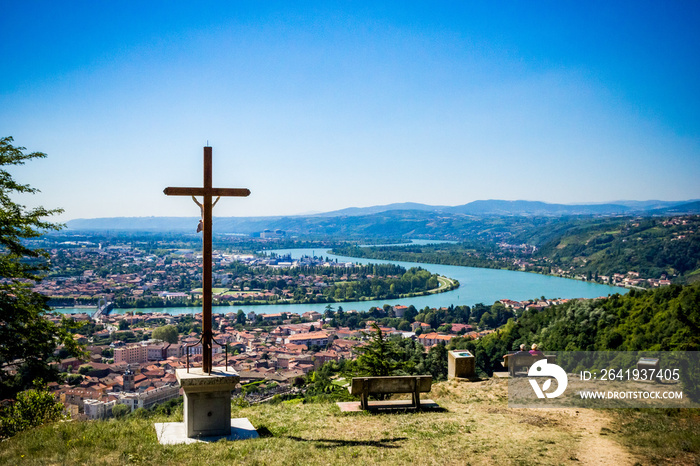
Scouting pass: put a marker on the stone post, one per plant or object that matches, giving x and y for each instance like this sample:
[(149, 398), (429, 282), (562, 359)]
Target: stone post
[(207, 401)]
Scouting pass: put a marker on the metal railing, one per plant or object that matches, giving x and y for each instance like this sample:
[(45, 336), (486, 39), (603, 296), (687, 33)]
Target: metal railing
[(187, 351)]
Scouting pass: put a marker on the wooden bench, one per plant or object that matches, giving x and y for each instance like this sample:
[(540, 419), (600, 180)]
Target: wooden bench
[(414, 384), (519, 360)]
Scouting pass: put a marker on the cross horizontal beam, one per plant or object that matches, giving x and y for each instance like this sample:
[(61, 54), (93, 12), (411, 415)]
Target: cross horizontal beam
[(230, 192)]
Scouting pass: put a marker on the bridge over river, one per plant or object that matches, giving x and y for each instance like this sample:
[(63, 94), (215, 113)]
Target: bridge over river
[(103, 308)]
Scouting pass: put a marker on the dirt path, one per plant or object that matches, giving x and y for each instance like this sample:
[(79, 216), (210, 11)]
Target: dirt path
[(444, 283), (596, 447), (582, 436)]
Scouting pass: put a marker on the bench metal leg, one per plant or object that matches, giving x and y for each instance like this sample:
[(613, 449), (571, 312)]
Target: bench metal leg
[(416, 399), (416, 394), (364, 398)]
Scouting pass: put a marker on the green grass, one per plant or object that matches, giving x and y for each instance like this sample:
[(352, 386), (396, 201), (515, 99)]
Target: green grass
[(693, 277), (213, 290), (342, 382), (663, 436)]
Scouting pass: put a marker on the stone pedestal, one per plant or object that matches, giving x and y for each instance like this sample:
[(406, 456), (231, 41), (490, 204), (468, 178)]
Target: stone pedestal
[(207, 401), (460, 364), (207, 410)]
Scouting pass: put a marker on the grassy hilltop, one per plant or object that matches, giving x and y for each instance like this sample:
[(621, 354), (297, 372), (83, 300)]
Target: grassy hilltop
[(476, 427)]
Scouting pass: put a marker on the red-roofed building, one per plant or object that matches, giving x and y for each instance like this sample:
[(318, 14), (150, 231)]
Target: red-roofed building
[(399, 310), (308, 339), (456, 328), (432, 338)]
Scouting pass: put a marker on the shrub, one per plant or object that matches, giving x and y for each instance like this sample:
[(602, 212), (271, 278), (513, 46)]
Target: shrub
[(32, 408), (140, 413), (120, 410), (239, 402)]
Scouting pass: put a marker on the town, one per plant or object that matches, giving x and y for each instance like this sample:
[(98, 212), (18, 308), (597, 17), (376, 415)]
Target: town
[(132, 357), (136, 275)]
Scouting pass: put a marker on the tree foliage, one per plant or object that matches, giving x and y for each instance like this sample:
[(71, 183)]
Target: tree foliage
[(379, 357), (28, 338), (32, 408), (120, 410), (166, 333)]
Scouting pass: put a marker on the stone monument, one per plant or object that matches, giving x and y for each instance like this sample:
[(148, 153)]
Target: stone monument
[(207, 390)]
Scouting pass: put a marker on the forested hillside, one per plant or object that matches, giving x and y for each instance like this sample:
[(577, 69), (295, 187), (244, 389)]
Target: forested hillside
[(588, 247), (652, 247), (666, 319)]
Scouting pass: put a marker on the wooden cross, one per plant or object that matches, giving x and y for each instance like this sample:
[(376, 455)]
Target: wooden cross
[(207, 192)]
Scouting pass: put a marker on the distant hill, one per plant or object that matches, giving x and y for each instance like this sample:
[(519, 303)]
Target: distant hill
[(394, 220), (494, 207), (641, 206), (246, 225), (684, 209), (132, 223), (536, 209), (355, 211)]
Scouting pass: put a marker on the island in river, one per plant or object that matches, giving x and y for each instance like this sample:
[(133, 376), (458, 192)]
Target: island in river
[(134, 277)]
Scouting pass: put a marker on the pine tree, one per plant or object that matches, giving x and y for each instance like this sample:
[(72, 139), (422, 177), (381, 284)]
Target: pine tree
[(379, 357), (28, 338)]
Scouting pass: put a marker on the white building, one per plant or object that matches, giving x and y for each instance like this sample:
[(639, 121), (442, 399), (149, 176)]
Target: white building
[(150, 397), (95, 409)]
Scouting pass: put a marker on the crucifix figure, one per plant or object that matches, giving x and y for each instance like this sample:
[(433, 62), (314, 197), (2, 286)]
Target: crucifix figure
[(200, 225), (207, 192)]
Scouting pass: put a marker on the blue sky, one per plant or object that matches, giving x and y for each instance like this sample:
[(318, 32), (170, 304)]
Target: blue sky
[(318, 106)]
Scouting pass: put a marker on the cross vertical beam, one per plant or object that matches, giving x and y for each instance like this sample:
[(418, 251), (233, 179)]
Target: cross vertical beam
[(207, 335), (207, 191)]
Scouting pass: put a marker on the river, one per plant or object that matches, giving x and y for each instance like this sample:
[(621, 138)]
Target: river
[(476, 286)]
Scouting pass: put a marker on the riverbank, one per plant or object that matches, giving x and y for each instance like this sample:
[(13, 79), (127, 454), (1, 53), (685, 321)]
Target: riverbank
[(484, 286), (630, 280), (446, 284)]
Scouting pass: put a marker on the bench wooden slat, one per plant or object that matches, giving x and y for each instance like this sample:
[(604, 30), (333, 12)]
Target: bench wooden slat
[(398, 384), (413, 384), (515, 361)]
